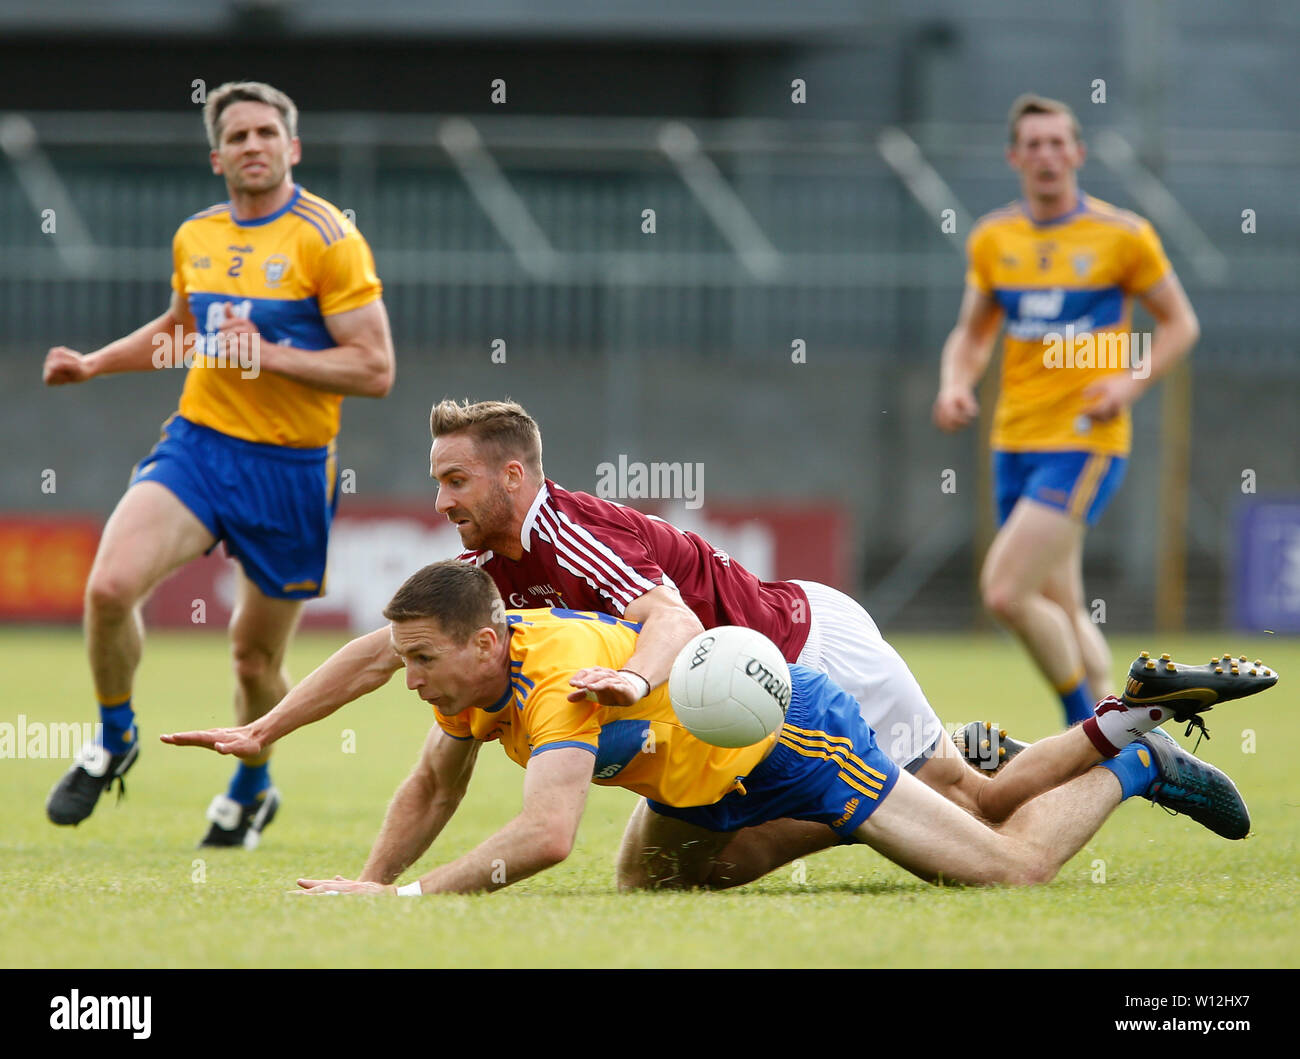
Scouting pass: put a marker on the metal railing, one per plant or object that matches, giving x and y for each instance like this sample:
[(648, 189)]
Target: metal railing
[(763, 231)]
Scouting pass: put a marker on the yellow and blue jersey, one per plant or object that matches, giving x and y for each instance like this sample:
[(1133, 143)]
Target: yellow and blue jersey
[(825, 767), (286, 272), (1081, 272), (642, 747)]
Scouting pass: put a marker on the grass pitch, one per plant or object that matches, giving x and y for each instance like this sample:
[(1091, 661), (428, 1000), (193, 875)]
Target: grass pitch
[(128, 888)]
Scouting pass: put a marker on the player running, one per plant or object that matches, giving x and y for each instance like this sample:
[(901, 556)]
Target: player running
[(276, 304), (493, 675), (544, 546), (1062, 268)]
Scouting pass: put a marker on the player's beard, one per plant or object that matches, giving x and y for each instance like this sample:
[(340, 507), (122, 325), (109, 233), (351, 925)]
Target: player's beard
[(490, 524), (261, 184)]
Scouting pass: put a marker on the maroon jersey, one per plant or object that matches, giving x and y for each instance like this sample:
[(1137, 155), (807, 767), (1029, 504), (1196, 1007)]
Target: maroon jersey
[(584, 553)]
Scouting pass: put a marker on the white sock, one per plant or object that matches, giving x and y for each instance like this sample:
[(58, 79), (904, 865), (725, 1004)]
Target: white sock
[(1116, 724)]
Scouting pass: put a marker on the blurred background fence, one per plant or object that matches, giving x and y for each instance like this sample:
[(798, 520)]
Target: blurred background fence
[(774, 223)]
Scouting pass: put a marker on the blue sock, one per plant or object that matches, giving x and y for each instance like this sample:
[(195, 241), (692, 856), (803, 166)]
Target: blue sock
[(119, 726), (1134, 768), (249, 782), (1077, 703)]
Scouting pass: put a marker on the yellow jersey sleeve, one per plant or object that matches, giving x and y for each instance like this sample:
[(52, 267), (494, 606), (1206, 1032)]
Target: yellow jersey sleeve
[(552, 721), (345, 275), (1148, 264)]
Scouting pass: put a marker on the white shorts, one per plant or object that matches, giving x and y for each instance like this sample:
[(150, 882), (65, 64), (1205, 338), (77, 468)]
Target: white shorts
[(844, 643)]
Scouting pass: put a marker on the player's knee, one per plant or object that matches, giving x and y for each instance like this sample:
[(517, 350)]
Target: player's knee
[(1039, 872), (254, 666), (653, 868), (109, 594), (1031, 869), (630, 878), (1001, 602)]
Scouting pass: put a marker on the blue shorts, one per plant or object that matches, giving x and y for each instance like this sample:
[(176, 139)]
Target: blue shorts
[(825, 767), (1080, 484), (271, 505)]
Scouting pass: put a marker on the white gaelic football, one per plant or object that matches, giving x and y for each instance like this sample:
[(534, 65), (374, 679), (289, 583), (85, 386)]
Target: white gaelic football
[(730, 686)]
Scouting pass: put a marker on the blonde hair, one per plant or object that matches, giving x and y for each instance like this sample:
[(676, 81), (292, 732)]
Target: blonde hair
[(246, 92), (1032, 104), (503, 426)]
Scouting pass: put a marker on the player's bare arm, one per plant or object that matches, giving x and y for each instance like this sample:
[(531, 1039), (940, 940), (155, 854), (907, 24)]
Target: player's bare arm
[(354, 670), (422, 805), (966, 355), (1177, 330), (361, 365), (667, 625), (134, 352), (541, 836)]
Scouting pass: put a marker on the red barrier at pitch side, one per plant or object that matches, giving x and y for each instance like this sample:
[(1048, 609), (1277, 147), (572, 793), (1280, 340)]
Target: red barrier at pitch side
[(44, 560), (44, 563)]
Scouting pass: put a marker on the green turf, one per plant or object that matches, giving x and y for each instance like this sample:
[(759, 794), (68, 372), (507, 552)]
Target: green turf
[(128, 889)]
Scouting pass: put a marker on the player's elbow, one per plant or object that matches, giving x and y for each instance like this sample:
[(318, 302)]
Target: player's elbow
[(382, 382), (554, 844), (381, 375)]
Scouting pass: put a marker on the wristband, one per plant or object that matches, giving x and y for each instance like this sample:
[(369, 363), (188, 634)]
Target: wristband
[(411, 889), (645, 684)]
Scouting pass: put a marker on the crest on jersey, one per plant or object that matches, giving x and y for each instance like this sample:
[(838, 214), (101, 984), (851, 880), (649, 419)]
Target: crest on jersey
[(1082, 264), (275, 268)]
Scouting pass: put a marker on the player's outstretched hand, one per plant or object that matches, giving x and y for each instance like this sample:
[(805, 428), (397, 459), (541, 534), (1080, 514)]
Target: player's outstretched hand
[(955, 408), (64, 365), (606, 686), (222, 740), (340, 885)]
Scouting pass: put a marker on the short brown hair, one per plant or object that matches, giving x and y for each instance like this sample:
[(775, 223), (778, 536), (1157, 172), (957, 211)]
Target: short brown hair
[(504, 426), (1032, 104), (246, 92), (460, 597)]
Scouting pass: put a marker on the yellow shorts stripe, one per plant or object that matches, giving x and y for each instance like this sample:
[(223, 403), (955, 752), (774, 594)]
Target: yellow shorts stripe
[(851, 764), (847, 761), (852, 780), (821, 735), (1085, 489), (873, 795), (813, 738), (331, 466)]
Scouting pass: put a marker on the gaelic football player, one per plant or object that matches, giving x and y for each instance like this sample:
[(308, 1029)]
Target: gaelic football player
[(277, 313), (493, 675), (1061, 269)]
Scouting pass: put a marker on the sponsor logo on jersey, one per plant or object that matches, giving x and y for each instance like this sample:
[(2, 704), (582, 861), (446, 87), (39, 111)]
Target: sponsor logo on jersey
[(520, 599), (1041, 304)]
